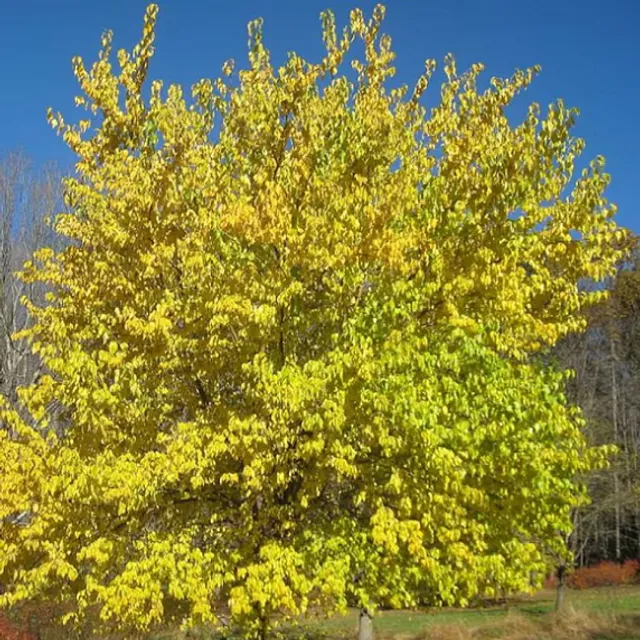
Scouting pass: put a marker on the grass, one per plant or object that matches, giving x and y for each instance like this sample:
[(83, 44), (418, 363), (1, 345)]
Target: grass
[(606, 613), (588, 614)]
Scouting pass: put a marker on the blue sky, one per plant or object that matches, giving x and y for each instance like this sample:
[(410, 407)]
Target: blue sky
[(588, 50)]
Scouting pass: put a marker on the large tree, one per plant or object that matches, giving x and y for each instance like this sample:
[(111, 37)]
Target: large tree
[(291, 354)]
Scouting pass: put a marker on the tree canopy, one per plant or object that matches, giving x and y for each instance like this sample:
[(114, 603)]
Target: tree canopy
[(288, 342)]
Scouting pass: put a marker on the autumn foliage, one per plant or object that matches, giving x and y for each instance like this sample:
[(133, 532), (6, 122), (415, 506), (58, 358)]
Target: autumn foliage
[(8, 631), (288, 343), (605, 574)]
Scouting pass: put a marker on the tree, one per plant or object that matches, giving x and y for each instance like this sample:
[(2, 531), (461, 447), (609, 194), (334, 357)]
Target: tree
[(605, 359), (293, 353), (27, 199)]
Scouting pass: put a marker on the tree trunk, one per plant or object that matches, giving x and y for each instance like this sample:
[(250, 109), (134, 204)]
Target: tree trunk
[(638, 526), (614, 419), (365, 628), (263, 630), (560, 573)]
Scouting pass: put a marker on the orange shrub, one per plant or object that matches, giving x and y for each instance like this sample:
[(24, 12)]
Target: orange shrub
[(9, 632), (605, 574), (599, 575)]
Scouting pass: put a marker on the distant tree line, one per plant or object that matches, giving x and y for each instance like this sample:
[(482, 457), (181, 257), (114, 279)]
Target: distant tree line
[(29, 197), (606, 361)]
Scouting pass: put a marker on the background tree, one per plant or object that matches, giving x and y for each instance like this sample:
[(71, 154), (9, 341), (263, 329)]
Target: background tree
[(606, 362), (28, 198), (294, 356)]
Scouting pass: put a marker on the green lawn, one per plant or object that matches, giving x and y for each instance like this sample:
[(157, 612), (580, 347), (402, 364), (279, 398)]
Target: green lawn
[(614, 607), (609, 613)]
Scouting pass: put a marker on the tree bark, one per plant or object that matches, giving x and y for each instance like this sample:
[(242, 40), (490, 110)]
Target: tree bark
[(614, 419), (560, 591), (365, 627)]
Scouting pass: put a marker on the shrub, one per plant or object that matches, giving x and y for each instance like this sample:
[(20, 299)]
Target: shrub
[(605, 574), (600, 575), (8, 631)]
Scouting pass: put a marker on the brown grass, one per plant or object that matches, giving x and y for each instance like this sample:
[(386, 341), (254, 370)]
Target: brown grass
[(570, 625)]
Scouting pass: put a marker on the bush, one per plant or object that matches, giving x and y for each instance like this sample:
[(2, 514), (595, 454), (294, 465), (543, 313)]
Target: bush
[(8, 631), (603, 574)]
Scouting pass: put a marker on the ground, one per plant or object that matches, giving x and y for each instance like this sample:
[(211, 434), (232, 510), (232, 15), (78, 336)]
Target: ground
[(606, 613), (603, 613)]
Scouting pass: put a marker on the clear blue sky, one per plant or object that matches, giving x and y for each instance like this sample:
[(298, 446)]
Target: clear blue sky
[(589, 51)]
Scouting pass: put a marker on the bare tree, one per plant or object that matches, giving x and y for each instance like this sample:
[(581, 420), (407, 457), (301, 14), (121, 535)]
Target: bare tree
[(606, 360), (28, 199)]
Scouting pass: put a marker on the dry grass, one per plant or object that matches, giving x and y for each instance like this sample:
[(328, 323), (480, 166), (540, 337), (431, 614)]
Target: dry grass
[(571, 625), (610, 613)]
